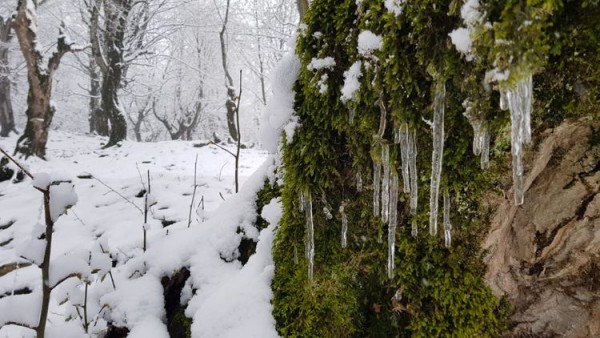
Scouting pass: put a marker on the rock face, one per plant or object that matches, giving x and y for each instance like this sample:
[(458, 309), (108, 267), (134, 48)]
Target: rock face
[(544, 256)]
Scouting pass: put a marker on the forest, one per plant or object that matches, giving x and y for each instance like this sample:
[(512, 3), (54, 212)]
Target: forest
[(299, 168)]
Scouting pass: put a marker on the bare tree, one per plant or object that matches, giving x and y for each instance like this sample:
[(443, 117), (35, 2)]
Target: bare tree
[(109, 58), (142, 111), (40, 76), (231, 94), (7, 119)]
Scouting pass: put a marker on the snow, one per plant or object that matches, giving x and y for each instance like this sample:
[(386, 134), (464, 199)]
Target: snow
[(20, 309), (279, 115), (68, 265), (138, 305), (321, 63), (368, 42), (394, 6), (351, 82), (62, 198), (471, 14), (462, 41), (105, 225)]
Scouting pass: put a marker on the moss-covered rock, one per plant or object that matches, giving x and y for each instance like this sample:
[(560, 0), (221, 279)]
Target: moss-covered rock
[(435, 291)]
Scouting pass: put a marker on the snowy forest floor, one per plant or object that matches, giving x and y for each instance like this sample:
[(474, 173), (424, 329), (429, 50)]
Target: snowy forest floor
[(224, 298)]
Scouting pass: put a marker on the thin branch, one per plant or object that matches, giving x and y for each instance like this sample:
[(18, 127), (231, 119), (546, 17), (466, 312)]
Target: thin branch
[(116, 192), (17, 163), (194, 194)]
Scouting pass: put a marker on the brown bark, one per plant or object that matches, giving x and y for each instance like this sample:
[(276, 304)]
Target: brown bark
[(7, 120), (544, 256), (39, 110)]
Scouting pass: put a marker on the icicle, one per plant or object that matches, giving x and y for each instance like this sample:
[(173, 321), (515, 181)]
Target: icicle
[(382, 118), (352, 115), (485, 149), (405, 155), (520, 105), (344, 225), (295, 255), (526, 92), (385, 183), (310, 236), (438, 154), (503, 100), (376, 187), (477, 139), (414, 228), (414, 176), (447, 225), (359, 182), (392, 224), (397, 135), (302, 202), (327, 212)]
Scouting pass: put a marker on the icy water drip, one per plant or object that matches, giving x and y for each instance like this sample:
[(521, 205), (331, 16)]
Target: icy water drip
[(447, 224), (503, 100), (485, 149), (414, 176), (385, 183), (359, 182), (414, 229), (437, 154), (376, 187), (481, 138), (310, 235), (393, 223), (352, 115), (344, 225), (404, 155), (520, 102)]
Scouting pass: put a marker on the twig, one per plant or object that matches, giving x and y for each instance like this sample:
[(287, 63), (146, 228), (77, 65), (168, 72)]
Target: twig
[(221, 147), (17, 163), (118, 193), (194, 193)]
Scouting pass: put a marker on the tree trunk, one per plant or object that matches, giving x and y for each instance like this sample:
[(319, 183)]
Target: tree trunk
[(110, 105), (39, 110), (110, 61), (543, 255), (39, 117), (98, 120), (231, 95), (116, 13), (7, 120)]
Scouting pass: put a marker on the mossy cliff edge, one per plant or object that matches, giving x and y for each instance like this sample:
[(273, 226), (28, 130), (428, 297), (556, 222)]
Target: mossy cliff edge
[(435, 290)]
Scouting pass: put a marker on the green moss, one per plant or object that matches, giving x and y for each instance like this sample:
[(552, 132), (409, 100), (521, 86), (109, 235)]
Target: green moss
[(436, 291), (181, 326)]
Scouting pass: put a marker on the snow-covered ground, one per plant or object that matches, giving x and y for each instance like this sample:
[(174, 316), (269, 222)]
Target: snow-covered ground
[(230, 300)]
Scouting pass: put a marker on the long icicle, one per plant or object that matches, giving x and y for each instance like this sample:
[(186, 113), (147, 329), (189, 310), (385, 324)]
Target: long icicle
[(414, 175), (344, 225), (485, 148), (392, 224), (520, 105), (447, 224), (376, 187), (437, 155), (385, 183), (405, 155), (310, 235)]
